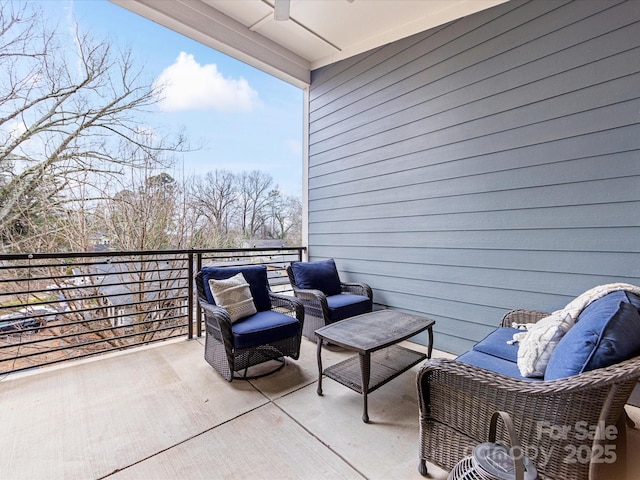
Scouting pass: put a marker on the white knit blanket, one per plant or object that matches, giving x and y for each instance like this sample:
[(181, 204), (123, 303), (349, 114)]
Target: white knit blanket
[(540, 339)]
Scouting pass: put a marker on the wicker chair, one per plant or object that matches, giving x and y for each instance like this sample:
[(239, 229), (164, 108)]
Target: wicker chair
[(322, 306), (555, 420), (273, 333)]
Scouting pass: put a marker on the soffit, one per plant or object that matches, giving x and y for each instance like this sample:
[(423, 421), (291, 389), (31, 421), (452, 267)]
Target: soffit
[(317, 33)]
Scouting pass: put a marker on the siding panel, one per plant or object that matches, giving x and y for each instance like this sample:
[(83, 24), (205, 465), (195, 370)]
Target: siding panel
[(476, 57), (489, 164)]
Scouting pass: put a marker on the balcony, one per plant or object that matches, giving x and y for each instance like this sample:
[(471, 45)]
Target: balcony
[(160, 411)]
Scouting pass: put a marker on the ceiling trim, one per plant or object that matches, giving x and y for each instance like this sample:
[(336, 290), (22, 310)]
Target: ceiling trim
[(247, 31), (210, 27)]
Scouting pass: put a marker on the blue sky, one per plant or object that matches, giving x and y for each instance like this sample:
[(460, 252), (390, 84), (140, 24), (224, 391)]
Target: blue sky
[(244, 118)]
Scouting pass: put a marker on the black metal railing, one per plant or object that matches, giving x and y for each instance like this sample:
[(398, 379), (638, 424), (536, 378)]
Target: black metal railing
[(58, 307)]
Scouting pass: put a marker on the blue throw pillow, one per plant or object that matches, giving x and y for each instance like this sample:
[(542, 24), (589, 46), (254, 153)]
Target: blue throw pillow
[(322, 275), (496, 344), (607, 332), (255, 275)]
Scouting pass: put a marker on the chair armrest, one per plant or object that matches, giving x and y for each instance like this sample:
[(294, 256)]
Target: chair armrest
[(214, 313), (314, 301), (522, 316), (628, 370), (312, 298), (357, 289), (217, 320), (310, 295), (463, 397), (288, 305)]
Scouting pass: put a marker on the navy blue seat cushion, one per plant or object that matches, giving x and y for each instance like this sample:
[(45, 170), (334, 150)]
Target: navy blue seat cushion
[(347, 305), (494, 364), (255, 275), (322, 275), (496, 344), (606, 332), (263, 328)]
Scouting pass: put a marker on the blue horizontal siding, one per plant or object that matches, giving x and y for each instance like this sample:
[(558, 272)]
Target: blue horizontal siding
[(487, 164)]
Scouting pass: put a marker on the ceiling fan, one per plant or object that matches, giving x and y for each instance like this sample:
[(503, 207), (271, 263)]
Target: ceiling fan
[(282, 8)]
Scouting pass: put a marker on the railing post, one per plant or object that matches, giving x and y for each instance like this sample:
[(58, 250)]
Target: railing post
[(190, 302), (198, 311)]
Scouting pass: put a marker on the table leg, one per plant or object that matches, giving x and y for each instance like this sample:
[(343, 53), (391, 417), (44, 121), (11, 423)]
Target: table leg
[(319, 356), (365, 368), (430, 348)]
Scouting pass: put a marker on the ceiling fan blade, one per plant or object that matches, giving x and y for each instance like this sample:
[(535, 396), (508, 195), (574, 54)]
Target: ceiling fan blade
[(281, 10)]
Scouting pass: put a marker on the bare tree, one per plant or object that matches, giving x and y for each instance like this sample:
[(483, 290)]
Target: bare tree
[(214, 197), (142, 216), (253, 202), (287, 219), (146, 293), (229, 208), (65, 113)]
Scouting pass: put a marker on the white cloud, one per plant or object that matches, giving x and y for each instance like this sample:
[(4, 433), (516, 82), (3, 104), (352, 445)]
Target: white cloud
[(187, 85)]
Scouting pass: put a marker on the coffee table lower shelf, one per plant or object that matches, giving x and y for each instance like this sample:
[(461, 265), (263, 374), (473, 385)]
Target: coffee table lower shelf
[(386, 364)]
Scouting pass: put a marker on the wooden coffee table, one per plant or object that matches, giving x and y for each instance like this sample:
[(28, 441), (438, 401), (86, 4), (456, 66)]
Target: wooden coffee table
[(374, 336)]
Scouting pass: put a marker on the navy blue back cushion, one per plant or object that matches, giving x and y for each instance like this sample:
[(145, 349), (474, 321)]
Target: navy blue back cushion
[(496, 344), (606, 332), (322, 275), (255, 275)]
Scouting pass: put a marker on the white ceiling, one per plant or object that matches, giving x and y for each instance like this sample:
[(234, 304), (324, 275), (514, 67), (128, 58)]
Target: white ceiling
[(318, 32)]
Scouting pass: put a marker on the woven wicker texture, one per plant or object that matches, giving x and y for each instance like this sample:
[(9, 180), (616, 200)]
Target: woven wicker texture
[(456, 401), (385, 366), (316, 309), (220, 351)]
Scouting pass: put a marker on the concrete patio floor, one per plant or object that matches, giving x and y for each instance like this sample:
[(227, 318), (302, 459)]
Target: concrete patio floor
[(162, 412)]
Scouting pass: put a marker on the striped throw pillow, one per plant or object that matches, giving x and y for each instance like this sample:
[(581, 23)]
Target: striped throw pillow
[(234, 295)]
